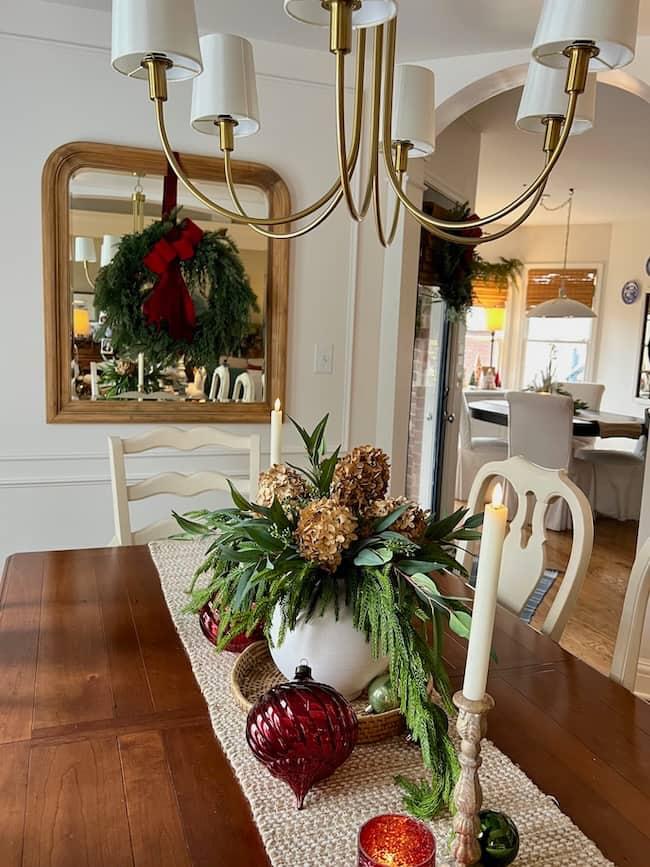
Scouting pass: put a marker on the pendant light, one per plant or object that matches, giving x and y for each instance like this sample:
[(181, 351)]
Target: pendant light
[(563, 307)]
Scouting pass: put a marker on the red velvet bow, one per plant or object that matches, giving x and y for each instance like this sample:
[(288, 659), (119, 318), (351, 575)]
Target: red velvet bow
[(170, 300)]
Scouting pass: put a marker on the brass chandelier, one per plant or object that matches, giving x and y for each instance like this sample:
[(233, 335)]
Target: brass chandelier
[(574, 39)]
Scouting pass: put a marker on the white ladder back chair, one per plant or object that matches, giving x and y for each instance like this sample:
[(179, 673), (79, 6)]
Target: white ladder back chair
[(220, 381), (243, 389), (179, 484), (523, 562), (627, 650)]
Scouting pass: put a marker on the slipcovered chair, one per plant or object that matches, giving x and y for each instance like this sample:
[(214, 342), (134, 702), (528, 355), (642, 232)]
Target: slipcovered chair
[(540, 429), (474, 452), (590, 393)]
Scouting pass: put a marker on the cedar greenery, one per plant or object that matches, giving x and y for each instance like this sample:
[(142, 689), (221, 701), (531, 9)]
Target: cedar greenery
[(253, 565), (459, 264), (216, 279)]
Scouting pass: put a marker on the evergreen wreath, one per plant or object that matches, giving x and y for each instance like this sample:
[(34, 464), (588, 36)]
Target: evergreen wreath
[(215, 278)]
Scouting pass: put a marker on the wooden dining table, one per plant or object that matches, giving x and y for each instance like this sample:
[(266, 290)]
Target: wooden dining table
[(108, 758), (586, 423)]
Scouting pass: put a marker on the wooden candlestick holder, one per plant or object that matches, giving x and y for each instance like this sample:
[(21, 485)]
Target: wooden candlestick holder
[(468, 796)]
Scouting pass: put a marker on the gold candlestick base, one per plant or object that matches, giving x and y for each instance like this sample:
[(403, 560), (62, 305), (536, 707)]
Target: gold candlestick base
[(468, 796)]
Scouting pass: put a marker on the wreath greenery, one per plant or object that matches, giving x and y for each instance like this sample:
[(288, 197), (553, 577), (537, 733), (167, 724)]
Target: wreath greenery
[(458, 265), (216, 280)]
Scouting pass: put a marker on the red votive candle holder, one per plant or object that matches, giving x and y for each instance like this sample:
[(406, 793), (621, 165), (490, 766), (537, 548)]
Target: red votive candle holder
[(394, 840)]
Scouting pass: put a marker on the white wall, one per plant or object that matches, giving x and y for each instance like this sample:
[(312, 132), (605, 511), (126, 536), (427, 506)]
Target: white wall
[(621, 324)]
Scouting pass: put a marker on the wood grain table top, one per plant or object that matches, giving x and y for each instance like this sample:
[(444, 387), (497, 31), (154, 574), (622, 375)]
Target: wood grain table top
[(107, 755)]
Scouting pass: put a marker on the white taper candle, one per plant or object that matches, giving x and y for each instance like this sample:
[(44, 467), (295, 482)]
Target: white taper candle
[(276, 433), (94, 385), (140, 371), (485, 598)]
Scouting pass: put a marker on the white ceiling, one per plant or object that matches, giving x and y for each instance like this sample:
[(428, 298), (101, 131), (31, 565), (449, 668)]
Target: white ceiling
[(427, 28), (609, 167)]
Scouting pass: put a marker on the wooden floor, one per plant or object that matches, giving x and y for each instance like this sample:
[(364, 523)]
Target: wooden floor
[(591, 632)]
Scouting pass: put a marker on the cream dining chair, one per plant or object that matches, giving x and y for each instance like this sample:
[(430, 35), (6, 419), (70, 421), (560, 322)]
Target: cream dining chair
[(590, 393), (627, 650), (179, 484), (523, 562), (475, 451), (540, 429)]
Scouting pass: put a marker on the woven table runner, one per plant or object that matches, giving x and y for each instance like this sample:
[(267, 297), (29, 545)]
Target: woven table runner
[(325, 831)]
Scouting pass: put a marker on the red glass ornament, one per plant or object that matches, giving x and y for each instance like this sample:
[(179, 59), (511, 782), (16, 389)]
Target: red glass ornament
[(396, 840), (209, 620), (302, 731)]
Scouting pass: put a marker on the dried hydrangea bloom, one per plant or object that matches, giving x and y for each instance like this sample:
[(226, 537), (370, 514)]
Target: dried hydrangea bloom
[(325, 529), (412, 523), (282, 482), (360, 478)]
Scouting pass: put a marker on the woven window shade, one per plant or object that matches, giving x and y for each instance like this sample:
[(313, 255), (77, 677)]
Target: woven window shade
[(544, 285), (490, 293)]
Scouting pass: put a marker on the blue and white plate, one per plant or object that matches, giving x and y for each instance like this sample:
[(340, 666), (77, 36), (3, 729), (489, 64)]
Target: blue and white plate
[(630, 292)]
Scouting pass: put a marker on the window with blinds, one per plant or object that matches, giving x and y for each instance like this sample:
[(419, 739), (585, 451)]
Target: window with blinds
[(490, 293), (544, 285)]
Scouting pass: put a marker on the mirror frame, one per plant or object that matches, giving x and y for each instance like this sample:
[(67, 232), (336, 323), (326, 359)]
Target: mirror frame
[(58, 171)]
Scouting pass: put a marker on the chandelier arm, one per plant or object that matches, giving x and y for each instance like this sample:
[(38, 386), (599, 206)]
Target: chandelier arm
[(269, 233), (289, 218), (493, 236), (431, 223), (385, 240), (375, 118), (344, 177)]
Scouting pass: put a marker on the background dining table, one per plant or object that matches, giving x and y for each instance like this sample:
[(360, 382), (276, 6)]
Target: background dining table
[(586, 422), (108, 758)]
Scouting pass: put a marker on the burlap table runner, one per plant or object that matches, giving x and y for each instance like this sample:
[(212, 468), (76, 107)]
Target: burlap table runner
[(324, 833)]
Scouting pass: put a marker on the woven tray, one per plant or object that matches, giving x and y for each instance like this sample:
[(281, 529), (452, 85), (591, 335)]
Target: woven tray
[(254, 673)]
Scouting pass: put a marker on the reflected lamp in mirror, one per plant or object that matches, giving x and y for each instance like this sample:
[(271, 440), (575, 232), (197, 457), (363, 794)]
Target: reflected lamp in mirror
[(80, 320), (110, 243)]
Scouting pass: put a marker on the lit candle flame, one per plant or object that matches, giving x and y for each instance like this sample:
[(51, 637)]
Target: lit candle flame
[(497, 496), (277, 405)]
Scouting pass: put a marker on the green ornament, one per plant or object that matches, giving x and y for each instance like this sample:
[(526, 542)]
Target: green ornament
[(381, 694), (499, 839)]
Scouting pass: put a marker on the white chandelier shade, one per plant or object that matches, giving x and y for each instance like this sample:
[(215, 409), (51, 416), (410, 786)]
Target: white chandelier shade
[(414, 114), (226, 87), (110, 244), (544, 96), (165, 28), (84, 250), (371, 12), (610, 24)]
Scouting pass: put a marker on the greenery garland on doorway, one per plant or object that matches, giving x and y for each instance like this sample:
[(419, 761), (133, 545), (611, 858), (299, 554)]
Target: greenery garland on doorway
[(458, 266), (216, 280)]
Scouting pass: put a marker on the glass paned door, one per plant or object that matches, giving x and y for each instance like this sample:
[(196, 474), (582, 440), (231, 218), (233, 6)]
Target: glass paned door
[(428, 400)]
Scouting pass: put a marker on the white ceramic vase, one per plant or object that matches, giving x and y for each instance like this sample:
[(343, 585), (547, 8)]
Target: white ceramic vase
[(337, 653)]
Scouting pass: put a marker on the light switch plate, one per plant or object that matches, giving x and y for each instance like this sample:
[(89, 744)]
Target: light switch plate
[(323, 358)]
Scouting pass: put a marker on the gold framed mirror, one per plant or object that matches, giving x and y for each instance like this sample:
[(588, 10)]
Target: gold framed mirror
[(93, 196)]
